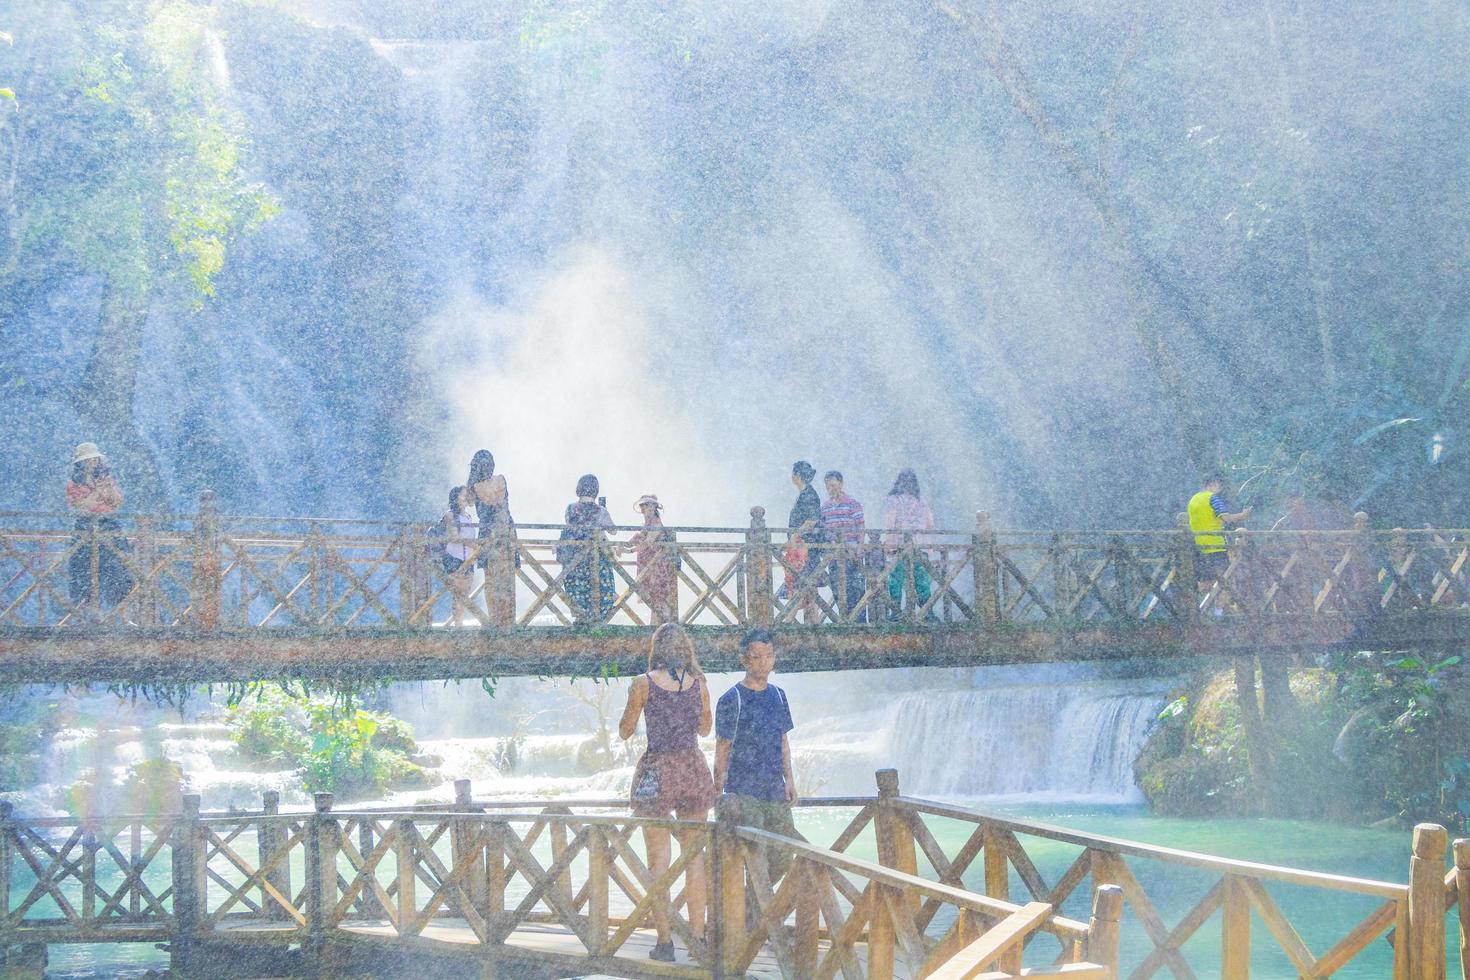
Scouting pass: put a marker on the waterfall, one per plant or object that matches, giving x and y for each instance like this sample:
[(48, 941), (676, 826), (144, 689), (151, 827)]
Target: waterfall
[(1058, 733), (1043, 741)]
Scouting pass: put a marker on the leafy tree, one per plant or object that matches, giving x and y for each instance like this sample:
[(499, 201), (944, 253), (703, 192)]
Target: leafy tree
[(127, 166)]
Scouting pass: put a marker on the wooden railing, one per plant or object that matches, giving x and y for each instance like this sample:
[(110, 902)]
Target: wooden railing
[(207, 572), (994, 857), (502, 879), (885, 898)]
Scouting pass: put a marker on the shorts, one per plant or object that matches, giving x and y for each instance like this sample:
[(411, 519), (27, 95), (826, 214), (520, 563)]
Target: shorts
[(453, 565), (685, 785)]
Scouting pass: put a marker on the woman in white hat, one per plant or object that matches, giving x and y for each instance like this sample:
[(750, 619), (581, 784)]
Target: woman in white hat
[(92, 494), (658, 562)]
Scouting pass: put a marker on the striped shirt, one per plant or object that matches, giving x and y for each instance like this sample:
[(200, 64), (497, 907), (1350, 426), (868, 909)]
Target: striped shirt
[(843, 517)]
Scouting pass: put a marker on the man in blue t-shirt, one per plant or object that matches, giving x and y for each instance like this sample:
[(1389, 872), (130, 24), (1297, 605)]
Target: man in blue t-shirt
[(752, 752)]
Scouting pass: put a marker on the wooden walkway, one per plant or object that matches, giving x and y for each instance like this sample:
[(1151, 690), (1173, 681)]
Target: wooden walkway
[(484, 888), (211, 598)]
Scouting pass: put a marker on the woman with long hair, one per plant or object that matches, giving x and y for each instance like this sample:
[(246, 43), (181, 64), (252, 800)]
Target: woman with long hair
[(672, 778), (904, 512), (491, 497)]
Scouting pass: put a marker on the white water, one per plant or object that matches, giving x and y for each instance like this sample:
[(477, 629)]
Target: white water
[(1042, 734)]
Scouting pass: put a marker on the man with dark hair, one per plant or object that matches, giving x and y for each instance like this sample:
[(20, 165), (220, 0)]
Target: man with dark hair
[(842, 516), (752, 750), (1208, 515)]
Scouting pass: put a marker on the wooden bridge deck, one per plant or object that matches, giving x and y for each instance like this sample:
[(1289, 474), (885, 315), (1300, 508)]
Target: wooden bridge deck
[(209, 598)]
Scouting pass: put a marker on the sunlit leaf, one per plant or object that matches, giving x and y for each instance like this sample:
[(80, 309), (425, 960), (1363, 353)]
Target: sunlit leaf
[(6, 93)]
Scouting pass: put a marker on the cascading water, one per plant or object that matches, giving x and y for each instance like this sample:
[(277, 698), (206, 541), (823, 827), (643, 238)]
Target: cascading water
[(1042, 741), (1042, 734)]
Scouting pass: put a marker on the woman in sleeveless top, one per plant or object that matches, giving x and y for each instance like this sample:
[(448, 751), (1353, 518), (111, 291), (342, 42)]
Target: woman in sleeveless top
[(672, 778)]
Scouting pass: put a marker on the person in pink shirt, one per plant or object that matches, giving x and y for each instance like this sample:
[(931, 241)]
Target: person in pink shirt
[(92, 494), (904, 512)]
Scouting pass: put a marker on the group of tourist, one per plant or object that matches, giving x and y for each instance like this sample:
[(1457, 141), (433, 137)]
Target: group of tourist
[(752, 778), (825, 548), (841, 560)]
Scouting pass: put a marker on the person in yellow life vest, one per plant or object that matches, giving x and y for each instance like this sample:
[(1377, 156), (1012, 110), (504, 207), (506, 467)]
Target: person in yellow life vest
[(1208, 516)]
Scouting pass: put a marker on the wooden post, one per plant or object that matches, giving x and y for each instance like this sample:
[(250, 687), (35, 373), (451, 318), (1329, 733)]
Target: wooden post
[(500, 576), (1061, 577), (7, 831), (1427, 903), (270, 840), (875, 579), (997, 866), (729, 882), (758, 570), (316, 895), (807, 934), (1359, 581), (987, 574), (146, 559), (1235, 925), (462, 840), (497, 876), (560, 841), (597, 890), (319, 571), (1103, 929), (880, 935), (89, 877), (403, 853), (896, 848), (206, 579), (1462, 889), (1184, 573), (408, 552), (188, 896)]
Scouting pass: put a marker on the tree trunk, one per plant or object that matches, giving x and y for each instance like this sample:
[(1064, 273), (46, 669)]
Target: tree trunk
[(1257, 739), (104, 398), (1279, 708)]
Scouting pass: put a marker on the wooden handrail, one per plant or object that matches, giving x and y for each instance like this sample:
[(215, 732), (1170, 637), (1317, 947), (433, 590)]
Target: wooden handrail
[(1058, 925), (1314, 879)]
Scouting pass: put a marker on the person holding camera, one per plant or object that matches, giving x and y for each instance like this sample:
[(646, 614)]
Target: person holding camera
[(92, 494), (581, 548)]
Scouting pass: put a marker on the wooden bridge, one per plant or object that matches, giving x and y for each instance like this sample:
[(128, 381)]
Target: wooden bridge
[(212, 598), (537, 889)]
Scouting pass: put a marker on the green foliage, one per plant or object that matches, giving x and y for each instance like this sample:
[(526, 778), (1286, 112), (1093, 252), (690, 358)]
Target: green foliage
[(1394, 451), (339, 747), (1409, 737), (1374, 738), (134, 168)]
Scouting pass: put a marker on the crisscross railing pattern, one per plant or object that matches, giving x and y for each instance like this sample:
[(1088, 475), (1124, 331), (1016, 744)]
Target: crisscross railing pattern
[(145, 579), (898, 892), (994, 859)]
